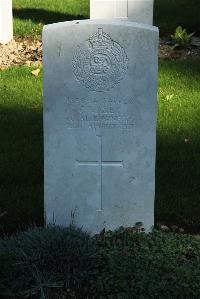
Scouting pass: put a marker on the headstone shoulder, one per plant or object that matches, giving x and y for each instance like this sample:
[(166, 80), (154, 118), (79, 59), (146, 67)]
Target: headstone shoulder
[(113, 22)]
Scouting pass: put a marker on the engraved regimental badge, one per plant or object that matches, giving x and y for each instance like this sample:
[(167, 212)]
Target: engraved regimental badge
[(99, 63)]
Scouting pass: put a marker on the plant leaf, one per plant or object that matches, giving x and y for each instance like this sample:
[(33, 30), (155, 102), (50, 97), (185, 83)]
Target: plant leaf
[(35, 72)]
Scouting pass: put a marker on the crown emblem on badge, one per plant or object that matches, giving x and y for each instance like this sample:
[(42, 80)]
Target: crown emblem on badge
[(100, 40)]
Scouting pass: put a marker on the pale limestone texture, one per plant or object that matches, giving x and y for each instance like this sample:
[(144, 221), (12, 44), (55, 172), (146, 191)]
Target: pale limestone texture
[(140, 11), (6, 22), (100, 90)]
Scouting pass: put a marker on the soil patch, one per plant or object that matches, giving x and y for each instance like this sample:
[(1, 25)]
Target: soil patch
[(166, 51), (21, 52)]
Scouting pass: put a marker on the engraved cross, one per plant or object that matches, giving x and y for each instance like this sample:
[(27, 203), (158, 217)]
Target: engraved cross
[(100, 163)]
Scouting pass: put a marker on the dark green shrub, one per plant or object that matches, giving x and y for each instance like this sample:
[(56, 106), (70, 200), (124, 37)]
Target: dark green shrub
[(144, 266), (53, 257), (126, 264)]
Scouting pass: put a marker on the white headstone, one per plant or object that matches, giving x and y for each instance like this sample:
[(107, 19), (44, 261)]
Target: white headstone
[(140, 11), (100, 92), (6, 21), (108, 9)]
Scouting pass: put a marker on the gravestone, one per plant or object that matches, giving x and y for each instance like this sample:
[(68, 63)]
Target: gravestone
[(140, 11), (100, 91), (108, 9), (6, 22)]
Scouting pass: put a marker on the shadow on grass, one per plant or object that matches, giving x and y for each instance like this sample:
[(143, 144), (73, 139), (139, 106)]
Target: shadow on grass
[(43, 16), (178, 146), (169, 14), (21, 168), (21, 174), (177, 182), (177, 167)]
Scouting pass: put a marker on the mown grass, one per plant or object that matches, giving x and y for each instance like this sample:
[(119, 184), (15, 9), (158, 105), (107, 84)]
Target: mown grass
[(178, 143), (21, 153), (31, 15), (178, 146)]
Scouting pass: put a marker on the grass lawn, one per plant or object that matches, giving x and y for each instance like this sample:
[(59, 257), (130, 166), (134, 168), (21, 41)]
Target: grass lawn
[(21, 153), (31, 15), (178, 145)]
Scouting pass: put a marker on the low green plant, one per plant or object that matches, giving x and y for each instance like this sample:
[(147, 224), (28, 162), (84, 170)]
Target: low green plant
[(149, 266), (181, 37), (56, 262), (46, 258)]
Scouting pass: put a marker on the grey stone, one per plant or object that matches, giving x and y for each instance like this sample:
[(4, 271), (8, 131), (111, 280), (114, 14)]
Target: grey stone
[(141, 11), (100, 90)]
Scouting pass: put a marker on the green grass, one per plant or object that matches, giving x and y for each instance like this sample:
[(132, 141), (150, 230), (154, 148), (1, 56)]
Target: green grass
[(178, 162), (31, 15), (21, 153)]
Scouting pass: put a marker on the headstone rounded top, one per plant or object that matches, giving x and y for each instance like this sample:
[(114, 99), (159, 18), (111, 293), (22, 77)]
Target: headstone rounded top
[(100, 22)]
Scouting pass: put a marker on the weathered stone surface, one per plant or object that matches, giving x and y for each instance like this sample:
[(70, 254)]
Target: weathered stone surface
[(6, 22), (140, 11), (100, 92)]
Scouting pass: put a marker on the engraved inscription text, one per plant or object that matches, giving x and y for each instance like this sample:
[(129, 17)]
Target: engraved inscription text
[(108, 113)]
